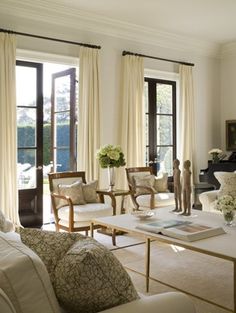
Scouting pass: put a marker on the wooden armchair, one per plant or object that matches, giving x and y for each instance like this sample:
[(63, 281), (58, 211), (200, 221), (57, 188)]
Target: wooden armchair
[(146, 189), (75, 217)]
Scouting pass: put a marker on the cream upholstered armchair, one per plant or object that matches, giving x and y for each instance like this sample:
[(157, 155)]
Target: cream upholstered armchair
[(74, 202), (148, 191), (227, 182)]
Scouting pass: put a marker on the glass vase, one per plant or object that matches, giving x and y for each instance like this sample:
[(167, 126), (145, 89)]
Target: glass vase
[(228, 217), (111, 178)]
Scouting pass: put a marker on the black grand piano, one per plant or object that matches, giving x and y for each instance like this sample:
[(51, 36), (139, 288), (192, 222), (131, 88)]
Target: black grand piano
[(207, 175)]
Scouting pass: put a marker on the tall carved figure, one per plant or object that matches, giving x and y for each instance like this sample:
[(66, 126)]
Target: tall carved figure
[(177, 186), (187, 188)]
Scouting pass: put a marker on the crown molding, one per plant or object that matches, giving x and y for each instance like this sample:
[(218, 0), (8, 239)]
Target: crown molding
[(42, 11)]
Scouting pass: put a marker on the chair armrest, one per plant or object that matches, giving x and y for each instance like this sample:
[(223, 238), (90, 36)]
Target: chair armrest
[(148, 189), (208, 199), (56, 195), (168, 302)]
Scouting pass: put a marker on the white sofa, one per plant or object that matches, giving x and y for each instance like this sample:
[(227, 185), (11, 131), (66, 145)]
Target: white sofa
[(25, 286)]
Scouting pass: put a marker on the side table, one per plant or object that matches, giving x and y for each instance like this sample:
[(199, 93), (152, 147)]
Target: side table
[(199, 188), (113, 194)]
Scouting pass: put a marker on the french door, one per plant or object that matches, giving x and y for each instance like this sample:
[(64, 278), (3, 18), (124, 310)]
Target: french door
[(29, 83), (63, 121), (160, 111)]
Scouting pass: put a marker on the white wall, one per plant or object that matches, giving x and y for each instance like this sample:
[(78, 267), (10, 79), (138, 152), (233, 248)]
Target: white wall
[(206, 79), (228, 91)]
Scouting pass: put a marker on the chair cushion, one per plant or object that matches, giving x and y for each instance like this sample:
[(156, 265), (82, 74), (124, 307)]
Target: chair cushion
[(89, 191), (74, 191), (89, 278), (146, 181), (24, 278), (86, 212), (227, 182), (161, 182), (161, 200)]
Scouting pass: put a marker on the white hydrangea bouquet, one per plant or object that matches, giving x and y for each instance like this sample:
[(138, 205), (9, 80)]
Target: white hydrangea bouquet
[(215, 154), (227, 205), (110, 156)]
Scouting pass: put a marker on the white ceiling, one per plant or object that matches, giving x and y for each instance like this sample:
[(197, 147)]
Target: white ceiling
[(202, 26), (211, 20)]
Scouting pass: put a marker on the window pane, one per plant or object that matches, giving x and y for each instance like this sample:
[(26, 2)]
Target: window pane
[(62, 129), (164, 130), (26, 127), (62, 92), (146, 97), (164, 98), (62, 160), (26, 169), (165, 159), (26, 86)]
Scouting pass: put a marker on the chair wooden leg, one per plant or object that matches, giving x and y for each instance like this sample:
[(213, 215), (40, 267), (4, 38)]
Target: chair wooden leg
[(86, 232), (114, 237)]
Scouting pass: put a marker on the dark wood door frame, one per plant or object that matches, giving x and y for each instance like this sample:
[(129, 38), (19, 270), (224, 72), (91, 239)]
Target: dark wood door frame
[(31, 200)]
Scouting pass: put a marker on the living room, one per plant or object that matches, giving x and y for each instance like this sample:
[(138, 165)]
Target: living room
[(205, 38)]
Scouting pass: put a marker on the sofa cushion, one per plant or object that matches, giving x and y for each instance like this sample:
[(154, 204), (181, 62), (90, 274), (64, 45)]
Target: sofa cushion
[(86, 212), (90, 278), (160, 200), (24, 278), (5, 303), (227, 182)]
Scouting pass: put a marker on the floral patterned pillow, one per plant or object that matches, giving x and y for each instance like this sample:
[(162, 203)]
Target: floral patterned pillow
[(50, 246), (86, 276), (89, 279)]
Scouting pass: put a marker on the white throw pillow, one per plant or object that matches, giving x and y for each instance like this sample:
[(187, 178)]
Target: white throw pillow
[(144, 181), (227, 182), (24, 278), (73, 191)]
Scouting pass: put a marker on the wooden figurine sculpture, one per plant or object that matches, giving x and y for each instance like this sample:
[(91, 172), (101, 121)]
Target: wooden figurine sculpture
[(187, 188), (177, 186)]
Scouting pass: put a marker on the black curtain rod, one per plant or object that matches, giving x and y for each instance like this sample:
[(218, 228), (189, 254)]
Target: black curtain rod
[(49, 38), (156, 58)]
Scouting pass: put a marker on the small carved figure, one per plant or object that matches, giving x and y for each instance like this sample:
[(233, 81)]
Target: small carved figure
[(187, 188), (177, 186)]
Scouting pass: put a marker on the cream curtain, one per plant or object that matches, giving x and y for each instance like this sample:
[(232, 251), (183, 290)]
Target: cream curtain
[(8, 128), (187, 118), (89, 112), (132, 114)]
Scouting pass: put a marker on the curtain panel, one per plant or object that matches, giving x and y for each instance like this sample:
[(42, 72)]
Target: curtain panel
[(187, 118), (132, 114), (89, 112), (8, 128)]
